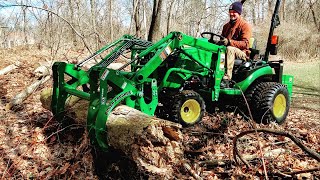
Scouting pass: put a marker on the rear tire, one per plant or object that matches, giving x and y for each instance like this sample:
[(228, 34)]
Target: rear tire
[(270, 103), (253, 97), (188, 108)]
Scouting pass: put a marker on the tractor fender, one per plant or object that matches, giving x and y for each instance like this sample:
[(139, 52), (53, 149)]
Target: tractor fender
[(263, 72)]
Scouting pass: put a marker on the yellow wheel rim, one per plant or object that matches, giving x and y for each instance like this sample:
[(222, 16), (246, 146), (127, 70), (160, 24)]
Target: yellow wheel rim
[(279, 106), (190, 111)]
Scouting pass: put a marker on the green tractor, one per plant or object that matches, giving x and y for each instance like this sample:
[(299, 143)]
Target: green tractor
[(176, 78)]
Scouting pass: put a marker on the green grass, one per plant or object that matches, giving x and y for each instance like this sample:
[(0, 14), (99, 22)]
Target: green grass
[(306, 75), (306, 84)]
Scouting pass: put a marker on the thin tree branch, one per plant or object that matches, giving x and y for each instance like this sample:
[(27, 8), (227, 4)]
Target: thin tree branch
[(303, 171), (298, 142), (52, 12)]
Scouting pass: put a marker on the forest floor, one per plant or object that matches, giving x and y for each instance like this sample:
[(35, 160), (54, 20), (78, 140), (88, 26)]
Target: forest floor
[(34, 145)]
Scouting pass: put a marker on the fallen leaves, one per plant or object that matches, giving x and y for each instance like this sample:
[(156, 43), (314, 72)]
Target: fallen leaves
[(27, 152)]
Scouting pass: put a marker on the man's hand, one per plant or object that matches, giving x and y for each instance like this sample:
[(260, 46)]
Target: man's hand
[(224, 41)]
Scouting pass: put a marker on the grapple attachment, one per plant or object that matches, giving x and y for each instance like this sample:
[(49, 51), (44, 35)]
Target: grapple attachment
[(104, 88)]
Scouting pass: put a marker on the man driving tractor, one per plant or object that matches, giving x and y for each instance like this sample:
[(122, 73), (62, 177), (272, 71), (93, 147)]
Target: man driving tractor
[(237, 33)]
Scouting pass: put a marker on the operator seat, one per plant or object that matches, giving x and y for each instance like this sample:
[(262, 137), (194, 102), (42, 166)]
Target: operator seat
[(253, 53), (241, 65)]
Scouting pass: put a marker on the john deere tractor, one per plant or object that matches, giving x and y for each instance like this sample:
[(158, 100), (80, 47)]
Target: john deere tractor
[(176, 78)]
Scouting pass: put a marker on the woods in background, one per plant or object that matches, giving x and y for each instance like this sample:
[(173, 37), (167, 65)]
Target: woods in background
[(94, 23)]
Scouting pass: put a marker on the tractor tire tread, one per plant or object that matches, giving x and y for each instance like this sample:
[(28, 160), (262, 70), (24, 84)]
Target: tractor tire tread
[(264, 98), (253, 97)]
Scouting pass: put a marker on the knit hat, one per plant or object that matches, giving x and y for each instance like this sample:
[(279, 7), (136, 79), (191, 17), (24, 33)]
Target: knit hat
[(237, 6)]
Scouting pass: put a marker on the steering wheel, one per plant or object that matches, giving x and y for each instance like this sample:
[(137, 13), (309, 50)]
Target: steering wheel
[(211, 36)]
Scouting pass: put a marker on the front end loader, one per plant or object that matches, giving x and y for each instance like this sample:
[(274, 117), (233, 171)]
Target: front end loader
[(173, 78)]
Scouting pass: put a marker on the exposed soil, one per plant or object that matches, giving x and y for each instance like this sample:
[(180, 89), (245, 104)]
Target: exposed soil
[(34, 145)]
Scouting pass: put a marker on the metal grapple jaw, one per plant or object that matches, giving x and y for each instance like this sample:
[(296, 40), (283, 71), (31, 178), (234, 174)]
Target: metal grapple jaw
[(104, 88), (66, 81)]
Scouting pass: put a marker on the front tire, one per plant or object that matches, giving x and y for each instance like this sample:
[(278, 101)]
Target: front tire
[(188, 108)]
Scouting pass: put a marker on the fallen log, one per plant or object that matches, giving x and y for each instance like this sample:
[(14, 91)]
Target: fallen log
[(43, 72), (43, 69), (19, 98), (9, 68), (153, 144)]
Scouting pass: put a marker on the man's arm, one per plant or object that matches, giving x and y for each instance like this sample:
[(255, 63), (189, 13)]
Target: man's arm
[(225, 30)]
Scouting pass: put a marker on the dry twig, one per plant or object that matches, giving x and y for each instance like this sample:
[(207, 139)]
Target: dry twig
[(307, 150), (191, 171)]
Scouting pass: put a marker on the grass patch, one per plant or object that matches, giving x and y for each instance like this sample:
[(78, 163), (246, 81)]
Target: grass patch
[(306, 75), (306, 84)]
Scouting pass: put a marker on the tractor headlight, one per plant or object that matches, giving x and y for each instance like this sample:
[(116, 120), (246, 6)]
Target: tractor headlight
[(222, 60)]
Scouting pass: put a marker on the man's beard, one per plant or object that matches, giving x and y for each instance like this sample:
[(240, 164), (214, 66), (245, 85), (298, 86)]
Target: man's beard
[(232, 21)]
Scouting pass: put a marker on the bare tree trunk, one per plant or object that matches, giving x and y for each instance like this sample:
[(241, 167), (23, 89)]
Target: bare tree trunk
[(25, 26), (145, 19), (93, 20), (258, 17), (154, 31), (169, 15), (203, 15), (263, 11), (283, 8), (136, 16), (50, 29), (73, 34), (270, 7), (110, 20), (184, 15), (134, 9), (297, 6), (253, 9), (316, 23)]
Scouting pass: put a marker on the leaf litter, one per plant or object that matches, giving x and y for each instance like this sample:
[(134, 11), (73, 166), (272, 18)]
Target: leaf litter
[(34, 145)]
